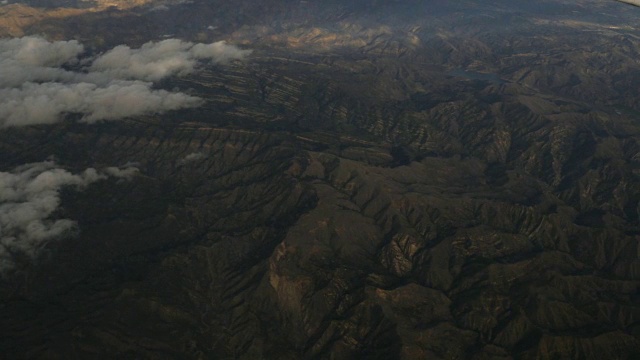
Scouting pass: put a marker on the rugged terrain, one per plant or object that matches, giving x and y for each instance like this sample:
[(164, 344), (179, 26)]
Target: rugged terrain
[(377, 180)]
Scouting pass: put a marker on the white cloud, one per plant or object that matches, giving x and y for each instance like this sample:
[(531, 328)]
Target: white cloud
[(219, 52), (152, 62), (157, 60), (38, 51), (35, 88), (29, 195), (35, 59), (192, 157), (47, 103)]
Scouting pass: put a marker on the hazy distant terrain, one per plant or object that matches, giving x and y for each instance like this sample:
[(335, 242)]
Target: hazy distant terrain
[(319, 179)]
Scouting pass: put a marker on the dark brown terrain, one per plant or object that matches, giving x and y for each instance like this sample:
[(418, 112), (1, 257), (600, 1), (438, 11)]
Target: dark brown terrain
[(378, 180)]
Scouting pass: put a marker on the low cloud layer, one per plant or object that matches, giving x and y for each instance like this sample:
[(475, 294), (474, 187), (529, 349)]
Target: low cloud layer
[(42, 81), (29, 196)]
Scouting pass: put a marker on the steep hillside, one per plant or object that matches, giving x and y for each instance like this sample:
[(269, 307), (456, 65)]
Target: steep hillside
[(376, 180)]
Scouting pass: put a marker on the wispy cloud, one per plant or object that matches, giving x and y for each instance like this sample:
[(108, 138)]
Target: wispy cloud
[(29, 196), (192, 157)]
